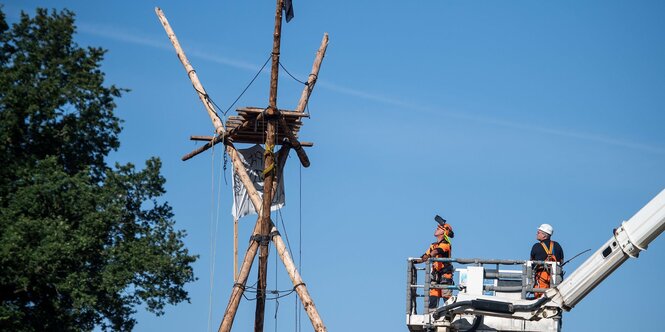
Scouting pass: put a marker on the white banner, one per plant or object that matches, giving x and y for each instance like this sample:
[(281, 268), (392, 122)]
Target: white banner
[(253, 160)]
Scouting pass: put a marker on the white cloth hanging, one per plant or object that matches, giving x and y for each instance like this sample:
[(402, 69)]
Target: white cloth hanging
[(252, 158)]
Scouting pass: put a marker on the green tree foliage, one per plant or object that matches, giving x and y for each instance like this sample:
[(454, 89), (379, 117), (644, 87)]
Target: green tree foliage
[(82, 244)]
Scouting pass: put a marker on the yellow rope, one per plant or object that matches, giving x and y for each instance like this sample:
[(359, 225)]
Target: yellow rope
[(269, 152)]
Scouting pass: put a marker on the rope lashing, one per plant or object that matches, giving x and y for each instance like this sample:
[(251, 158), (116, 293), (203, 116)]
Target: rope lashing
[(316, 77), (263, 240)]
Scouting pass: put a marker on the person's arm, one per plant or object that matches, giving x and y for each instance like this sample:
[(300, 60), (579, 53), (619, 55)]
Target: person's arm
[(422, 259), (560, 252)]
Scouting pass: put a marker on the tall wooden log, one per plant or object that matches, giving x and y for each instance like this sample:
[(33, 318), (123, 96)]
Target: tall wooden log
[(238, 288), (311, 80), (269, 173), (235, 249), (219, 126), (298, 284)]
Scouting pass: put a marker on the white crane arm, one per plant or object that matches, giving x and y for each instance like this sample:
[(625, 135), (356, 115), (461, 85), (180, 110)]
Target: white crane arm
[(627, 241)]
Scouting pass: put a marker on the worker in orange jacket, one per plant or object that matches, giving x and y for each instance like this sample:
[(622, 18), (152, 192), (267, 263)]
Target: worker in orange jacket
[(442, 272), (545, 250)]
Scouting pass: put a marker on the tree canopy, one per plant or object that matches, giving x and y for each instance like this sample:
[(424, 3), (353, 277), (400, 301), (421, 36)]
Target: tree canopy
[(82, 243)]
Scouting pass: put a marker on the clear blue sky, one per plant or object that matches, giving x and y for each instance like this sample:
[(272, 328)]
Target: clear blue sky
[(497, 115)]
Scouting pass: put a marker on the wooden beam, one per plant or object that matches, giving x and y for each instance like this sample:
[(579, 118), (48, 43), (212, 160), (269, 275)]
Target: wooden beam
[(302, 155), (282, 156), (235, 249), (208, 138), (298, 284), (202, 148), (200, 138), (244, 125), (269, 172), (203, 95), (256, 110), (311, 80)]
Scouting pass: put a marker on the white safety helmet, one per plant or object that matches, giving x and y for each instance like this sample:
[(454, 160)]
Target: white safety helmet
[(546, 228)]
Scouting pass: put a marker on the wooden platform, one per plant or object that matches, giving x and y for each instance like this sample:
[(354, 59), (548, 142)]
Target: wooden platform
[(254, 132)]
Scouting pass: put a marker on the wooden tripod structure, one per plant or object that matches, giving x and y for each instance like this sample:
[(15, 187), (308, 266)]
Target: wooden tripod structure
[(282, 129)]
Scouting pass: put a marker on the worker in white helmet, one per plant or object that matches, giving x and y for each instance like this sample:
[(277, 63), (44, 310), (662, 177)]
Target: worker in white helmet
[(545, 250)]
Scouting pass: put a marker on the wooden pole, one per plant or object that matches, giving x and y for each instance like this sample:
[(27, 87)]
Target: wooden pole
[(238, 288), (235, 249), (311, 80), (219, 127), (269, 173), (283, 253), (298, 284)]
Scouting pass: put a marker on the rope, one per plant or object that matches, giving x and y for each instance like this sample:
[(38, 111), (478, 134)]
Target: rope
[(286, 234), (214, 220), (269, 152), (316, 77), (280, 293), (248, 85), (212, 235), (276, 300), (298, 308), (297, 80), (207, 97), (226, 160)]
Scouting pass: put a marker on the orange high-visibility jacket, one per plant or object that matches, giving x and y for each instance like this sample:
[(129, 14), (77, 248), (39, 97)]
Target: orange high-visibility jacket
[(441, 272)]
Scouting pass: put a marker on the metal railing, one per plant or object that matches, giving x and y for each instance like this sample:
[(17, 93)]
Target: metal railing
[(524, 277)]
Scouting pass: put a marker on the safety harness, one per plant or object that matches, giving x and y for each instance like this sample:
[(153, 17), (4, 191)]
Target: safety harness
[(550, 256)]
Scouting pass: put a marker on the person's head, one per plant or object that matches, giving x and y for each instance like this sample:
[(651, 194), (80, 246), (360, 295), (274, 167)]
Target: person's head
[(444, 231), (544, 232)]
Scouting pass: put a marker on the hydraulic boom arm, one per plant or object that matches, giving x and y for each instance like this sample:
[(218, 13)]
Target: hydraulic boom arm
[(627, 241)]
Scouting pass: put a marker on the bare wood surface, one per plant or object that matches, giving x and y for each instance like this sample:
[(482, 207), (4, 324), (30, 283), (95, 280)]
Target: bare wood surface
[(238, 288), (202, 148), (269, 173), (313, 76), (203, 95), (200, 138), (245, 125), (208, 138), (298, 284), (256, 110), (235, 249)]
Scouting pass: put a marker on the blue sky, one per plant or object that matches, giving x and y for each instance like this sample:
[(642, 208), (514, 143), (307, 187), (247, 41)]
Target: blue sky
[(497, 115)]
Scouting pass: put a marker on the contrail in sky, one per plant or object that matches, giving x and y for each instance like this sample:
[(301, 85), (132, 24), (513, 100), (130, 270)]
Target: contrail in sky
[(163, 44)]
